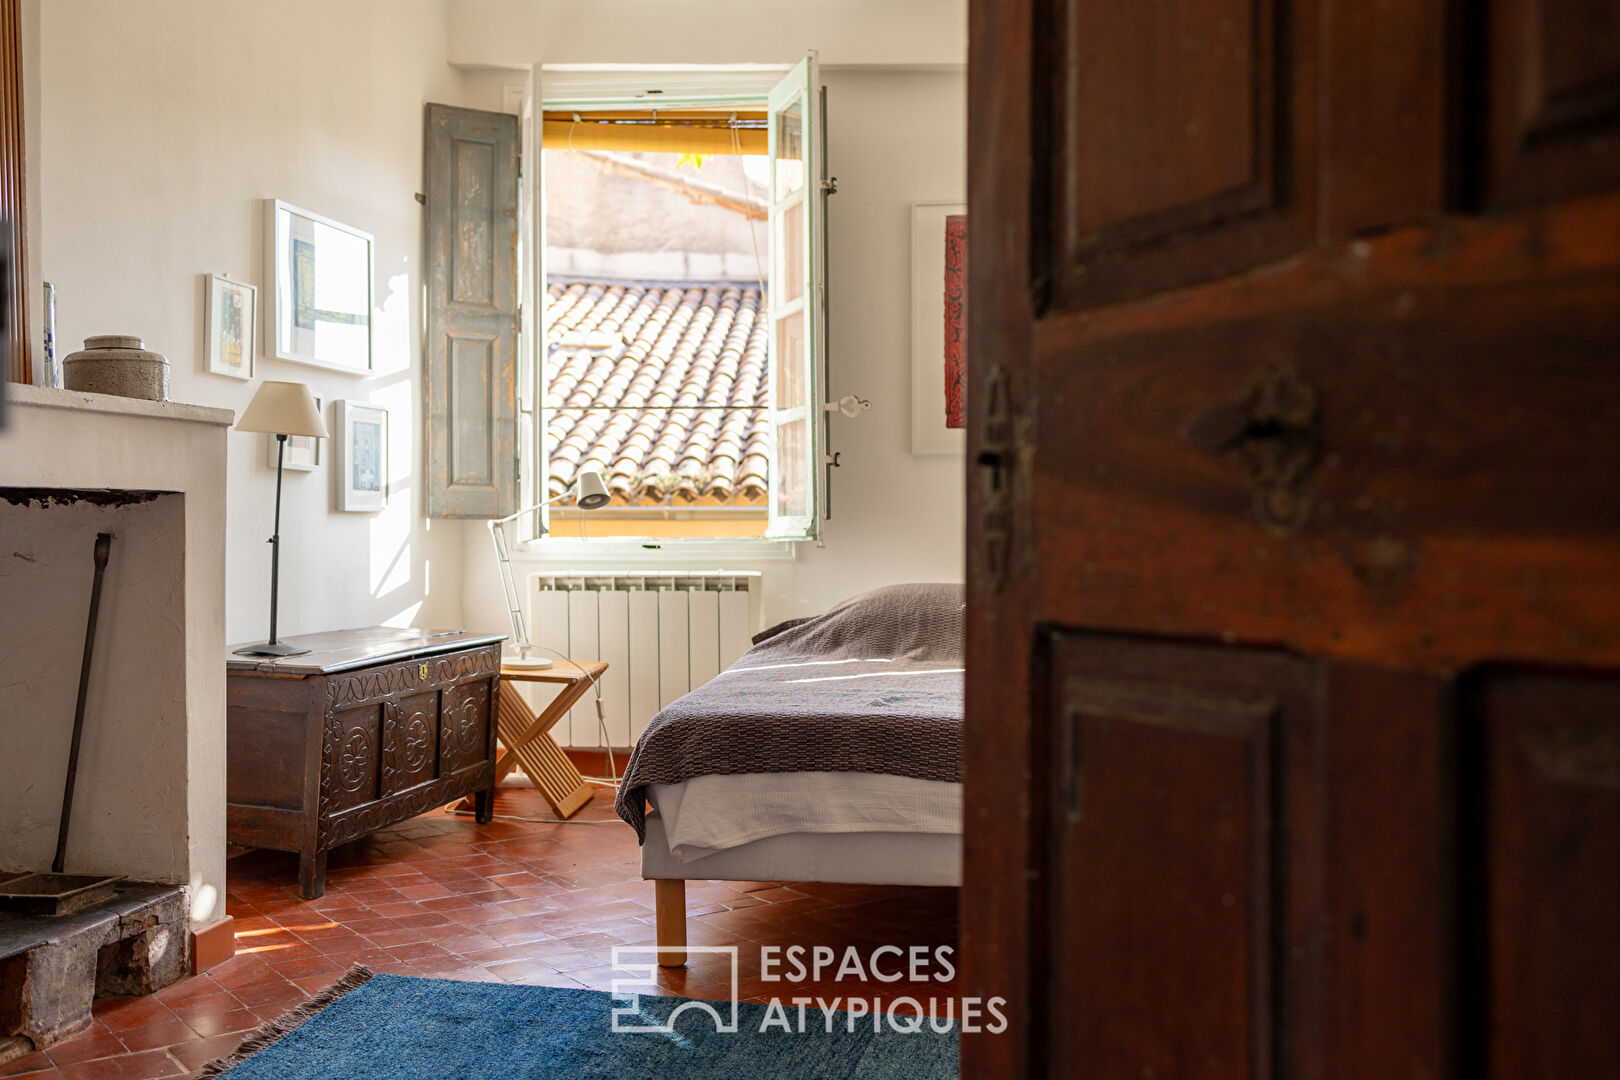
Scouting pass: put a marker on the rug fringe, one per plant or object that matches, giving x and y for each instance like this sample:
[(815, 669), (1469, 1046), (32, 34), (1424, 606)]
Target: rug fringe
[(287, 1022)]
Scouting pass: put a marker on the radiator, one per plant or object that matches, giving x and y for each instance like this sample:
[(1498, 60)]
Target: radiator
[(661, 633)]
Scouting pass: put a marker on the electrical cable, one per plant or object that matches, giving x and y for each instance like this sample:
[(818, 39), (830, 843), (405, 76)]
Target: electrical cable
[(541, 820)]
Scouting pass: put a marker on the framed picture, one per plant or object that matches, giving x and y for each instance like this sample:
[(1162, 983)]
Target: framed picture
[(303, 451), (229, 310), (320, 291), (938, 327), (362, 461)]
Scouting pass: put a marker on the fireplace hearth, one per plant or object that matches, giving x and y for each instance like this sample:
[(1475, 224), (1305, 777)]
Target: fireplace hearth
[(53, 966)]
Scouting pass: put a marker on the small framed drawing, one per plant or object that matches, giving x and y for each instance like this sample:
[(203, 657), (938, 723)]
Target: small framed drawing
[(229, 310), (303, 451), (320, 292), (938, 326), (362, 461)]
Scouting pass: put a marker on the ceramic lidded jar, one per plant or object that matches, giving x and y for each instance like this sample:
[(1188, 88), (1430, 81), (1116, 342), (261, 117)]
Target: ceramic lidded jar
[(117, 364)]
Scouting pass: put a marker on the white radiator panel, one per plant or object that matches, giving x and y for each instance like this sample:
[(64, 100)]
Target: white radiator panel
[(661, 634), (673, 644), (584, 643), (703, 636), (736, 627), (643, 660), (613, 630)]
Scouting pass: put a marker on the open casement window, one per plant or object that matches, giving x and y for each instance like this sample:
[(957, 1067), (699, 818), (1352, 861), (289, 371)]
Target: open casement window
[(470, 375), (693, 394), (795, 299)]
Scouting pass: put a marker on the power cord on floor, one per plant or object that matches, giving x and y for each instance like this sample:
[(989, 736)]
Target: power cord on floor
[(540, 820)]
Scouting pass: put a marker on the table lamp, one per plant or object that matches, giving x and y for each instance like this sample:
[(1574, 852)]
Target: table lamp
[(280, 409), (590, 493)]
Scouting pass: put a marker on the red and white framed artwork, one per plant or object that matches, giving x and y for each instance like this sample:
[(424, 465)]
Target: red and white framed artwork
[(938, 327)]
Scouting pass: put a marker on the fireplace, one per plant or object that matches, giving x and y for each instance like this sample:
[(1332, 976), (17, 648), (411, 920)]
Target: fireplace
[(129, 808), (149, 800)]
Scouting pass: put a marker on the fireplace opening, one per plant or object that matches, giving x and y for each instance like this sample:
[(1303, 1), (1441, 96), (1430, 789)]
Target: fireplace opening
[(116, 920), (130, 792)]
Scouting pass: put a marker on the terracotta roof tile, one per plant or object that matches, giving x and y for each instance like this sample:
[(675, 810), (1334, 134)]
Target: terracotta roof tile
[(662, 388)]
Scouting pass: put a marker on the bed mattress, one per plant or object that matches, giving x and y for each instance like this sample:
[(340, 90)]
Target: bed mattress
[(710, 814), (852, 858)]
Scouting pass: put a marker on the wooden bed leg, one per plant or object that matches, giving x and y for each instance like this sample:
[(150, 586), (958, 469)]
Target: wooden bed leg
[(669, 903)]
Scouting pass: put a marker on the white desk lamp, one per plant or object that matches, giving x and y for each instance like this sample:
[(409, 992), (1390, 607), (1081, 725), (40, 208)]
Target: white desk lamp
[(590, 493)]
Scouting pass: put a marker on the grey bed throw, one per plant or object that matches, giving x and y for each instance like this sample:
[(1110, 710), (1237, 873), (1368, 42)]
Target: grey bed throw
[(874, 685)]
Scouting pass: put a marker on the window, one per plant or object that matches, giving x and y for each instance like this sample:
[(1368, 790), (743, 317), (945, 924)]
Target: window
[(682, 328)]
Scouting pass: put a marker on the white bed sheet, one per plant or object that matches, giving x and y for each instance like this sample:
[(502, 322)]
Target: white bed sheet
[(709, 814), (852, 858)]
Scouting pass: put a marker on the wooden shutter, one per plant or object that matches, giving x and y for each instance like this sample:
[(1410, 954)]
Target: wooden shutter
[(472, 312)]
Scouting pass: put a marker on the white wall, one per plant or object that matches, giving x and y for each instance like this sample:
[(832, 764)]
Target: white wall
[(163, 124), (885, 32), (894, 137)]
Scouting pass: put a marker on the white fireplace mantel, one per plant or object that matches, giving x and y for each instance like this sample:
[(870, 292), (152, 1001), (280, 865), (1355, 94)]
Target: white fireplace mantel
[(60, 440)]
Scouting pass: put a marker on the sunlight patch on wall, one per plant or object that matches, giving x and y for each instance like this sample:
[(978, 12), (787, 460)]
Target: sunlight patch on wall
[(405, 617), (391, 328), (391, 556)]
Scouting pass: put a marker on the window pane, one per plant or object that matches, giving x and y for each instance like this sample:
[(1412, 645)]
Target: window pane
[(792, 468), (791, 370), (790, 149), (790, 254)]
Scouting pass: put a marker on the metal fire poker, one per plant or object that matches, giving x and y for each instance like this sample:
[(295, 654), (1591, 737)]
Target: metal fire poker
[(103, 546)]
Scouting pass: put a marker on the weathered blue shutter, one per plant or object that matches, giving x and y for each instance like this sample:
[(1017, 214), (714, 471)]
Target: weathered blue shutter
[(472, 312)]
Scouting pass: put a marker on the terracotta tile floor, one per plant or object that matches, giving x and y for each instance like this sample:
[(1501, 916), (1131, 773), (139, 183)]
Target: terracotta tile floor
[(513, 901)]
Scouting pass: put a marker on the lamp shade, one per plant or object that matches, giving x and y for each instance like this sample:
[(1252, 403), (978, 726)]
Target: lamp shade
[(283, 408), (592, 493)]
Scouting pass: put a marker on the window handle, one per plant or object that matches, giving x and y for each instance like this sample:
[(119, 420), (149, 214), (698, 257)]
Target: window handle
[(850, 405)]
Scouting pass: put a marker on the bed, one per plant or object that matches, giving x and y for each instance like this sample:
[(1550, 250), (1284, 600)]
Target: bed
[(830, 751)]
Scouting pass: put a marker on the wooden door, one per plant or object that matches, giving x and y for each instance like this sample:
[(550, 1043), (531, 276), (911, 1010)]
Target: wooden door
[(1294, 538)]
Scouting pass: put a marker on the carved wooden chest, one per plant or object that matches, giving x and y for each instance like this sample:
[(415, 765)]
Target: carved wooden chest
[(368, 728)]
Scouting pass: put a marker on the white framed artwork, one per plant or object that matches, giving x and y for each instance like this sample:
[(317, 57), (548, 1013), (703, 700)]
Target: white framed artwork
[(303, 451), (362, 461), (229, 311), (938, 300), (320, 293)]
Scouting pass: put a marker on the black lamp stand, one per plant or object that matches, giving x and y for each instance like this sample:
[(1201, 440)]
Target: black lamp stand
[(274, 647)]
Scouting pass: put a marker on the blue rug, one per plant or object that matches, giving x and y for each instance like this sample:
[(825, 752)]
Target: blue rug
[(392, 1027)]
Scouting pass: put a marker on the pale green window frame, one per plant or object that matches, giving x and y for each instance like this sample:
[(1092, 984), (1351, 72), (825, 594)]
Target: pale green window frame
[(797, 292), (796, 226)]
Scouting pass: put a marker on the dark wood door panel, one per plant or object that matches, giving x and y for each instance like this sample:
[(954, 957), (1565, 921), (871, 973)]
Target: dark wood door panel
[(1389, 926), (1181, 799), (1544, 857), (1183, 155), (465, 726), (410, 742), (1549, 77), (1458, 501), (353, 762)]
